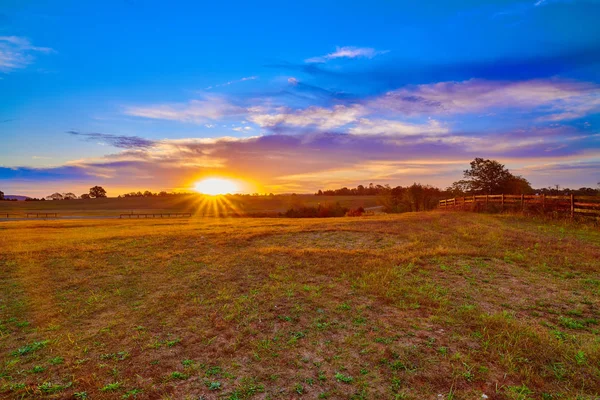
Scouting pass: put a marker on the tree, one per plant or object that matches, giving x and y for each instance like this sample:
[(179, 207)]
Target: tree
[(490, 177), (85, 196), (55, 196), (517, 185), (1, 195), (97, 191)]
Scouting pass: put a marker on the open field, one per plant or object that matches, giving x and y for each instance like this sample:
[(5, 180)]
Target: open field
[(409, 306), (192, 203)]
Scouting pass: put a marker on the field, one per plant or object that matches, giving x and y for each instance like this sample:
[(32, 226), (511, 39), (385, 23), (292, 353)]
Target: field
[(193, 203), (414, 306)]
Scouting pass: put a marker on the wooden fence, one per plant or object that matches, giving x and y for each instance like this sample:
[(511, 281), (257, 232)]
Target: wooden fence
[(155, 215), (41, 215), (10, 216), (570, 205)]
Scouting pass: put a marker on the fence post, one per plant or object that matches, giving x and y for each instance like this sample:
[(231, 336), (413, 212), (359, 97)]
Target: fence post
[(486, 201), (522, 202), (572, 206), (502, 201), (544, 203)]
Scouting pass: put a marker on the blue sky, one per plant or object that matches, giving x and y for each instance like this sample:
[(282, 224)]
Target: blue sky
[(289, 97)]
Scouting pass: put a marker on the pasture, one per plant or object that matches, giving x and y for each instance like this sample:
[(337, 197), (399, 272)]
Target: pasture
[(193, 203), (413, 306)]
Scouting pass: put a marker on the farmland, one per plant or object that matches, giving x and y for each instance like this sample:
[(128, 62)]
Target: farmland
[(192, 203), (413, 306)]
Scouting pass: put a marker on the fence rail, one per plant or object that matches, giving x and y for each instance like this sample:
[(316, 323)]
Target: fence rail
[(7, 215), (41, 215), (569, 204), (156, 215)]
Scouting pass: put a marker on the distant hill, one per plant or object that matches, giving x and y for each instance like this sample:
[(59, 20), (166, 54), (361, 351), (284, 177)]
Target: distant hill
[(14, 196)]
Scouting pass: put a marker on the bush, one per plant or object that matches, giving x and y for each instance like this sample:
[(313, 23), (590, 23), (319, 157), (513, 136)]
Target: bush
[(320, 211), (356, 212)]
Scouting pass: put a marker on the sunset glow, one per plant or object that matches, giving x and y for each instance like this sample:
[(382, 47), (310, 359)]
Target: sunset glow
[(216, 186), (324, 106)]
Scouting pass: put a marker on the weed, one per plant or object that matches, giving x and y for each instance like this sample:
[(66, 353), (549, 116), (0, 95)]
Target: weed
[(49, 387), (132, 393), (214, 370), (580, 357), (56, 360), (571, 323), (176, 375), (519, 392), (343, 378), (111, 387), (30, 348)]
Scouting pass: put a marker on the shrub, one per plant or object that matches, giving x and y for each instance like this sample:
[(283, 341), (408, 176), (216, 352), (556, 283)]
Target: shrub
[(320, 211), (356, 212)]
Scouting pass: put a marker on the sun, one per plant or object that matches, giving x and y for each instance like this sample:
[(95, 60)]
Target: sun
[(216, 186)]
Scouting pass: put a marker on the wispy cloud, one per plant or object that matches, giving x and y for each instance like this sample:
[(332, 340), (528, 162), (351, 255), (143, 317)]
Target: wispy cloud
[(554, 99), (323, 118), (397, 128), (124, 142), (196, 111), (17, 52), (247, 78), (347, 52)]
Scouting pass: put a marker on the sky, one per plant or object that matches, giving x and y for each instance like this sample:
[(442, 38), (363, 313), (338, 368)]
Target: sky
[(295, 97)]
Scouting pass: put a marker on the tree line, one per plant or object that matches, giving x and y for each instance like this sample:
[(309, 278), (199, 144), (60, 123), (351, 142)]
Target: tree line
[(483, 177)]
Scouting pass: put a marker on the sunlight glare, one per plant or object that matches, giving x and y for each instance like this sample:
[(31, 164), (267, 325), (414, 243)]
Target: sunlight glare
[(216, 186)]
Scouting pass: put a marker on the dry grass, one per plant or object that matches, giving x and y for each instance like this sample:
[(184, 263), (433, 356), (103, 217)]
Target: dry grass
[(408, 307)]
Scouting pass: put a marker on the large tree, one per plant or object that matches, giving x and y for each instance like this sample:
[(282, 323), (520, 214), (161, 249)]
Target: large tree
[(490, 177), (97, 191), (1, 195), (55, 196)]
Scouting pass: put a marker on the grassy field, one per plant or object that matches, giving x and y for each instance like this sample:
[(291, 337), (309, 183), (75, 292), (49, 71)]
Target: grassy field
[(413, 306), (193, 203)]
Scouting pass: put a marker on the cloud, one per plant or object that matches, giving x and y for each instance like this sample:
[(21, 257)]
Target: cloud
[(320, 117), (124, 142), (397, 128), (17, 52), (247, 78), (347, 52), (195, 111), (555, 99), (310, 161)]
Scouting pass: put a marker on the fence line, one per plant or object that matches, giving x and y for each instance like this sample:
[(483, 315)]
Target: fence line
[(8, 215), (156, 215), (571, 204), (41, 215)]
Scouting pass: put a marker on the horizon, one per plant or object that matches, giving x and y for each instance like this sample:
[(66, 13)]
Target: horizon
[(295, 99)]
